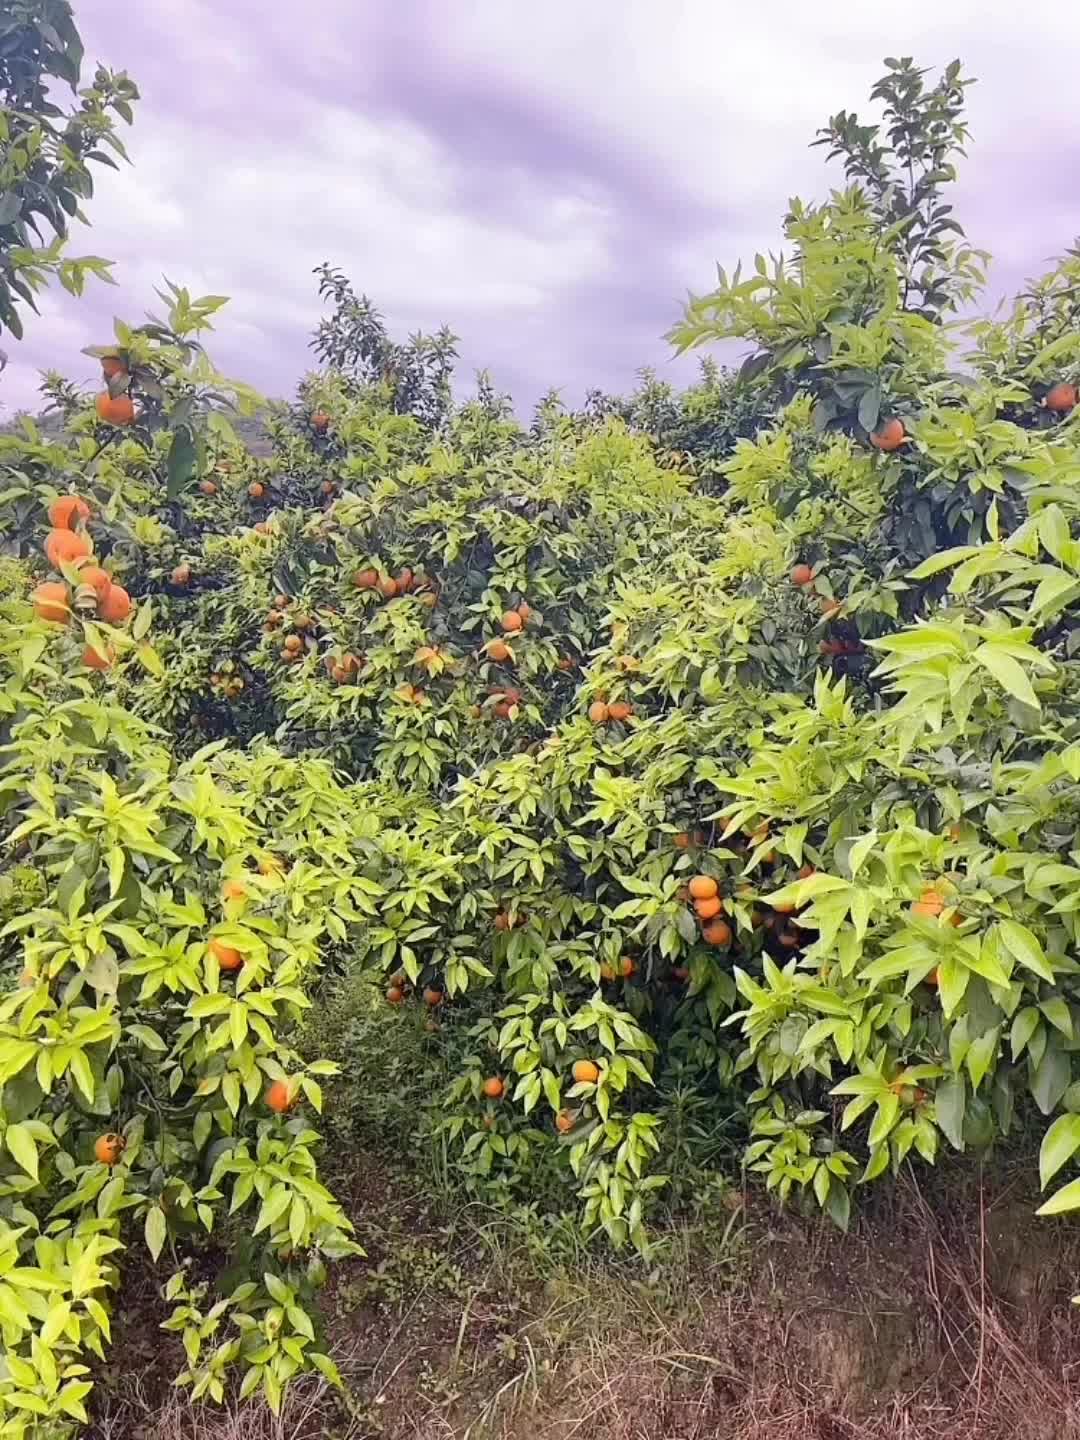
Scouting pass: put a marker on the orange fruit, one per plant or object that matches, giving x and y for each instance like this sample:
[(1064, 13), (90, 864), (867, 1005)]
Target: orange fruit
[(115, 410), (627, 968), (585, 1072), (681, 841), (208, 487), (395, 995), (99, 580), (607, 972), (366, 579), (831, 608), (717, 933), (511, 621), (703, 887), (256, 490), (525, 611), (802, 575), (181, 575), (234, 890), (933, 978), (302, 621), (66, 512), (498, 651), (51, 602), (115, 606), (93, 661), (598, 712), (388, 587), (620, 710), (930, 904), (281, 601), (1062, 397), (109, 1147), (65, 547), (493, 1087), (405, 580), (273, 619), (320, 421), (805, 871), (433, 997), (707, 909), (889, 436), (112, 365), (226, 957), (293, 643), (277, 1097), (564, 1122)]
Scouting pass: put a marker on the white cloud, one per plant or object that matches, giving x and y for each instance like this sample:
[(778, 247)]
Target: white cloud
[(650, 141)]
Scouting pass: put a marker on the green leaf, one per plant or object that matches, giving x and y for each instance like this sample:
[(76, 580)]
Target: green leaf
[(155, 1230), (1060, 1144), (1025, 948), (1051, 1079), (21, 1146), (950, 1102), (1066, 1199), (1008, 672)]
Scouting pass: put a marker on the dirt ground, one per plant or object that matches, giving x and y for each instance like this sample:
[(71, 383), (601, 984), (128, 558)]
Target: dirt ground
[(931, 1321)]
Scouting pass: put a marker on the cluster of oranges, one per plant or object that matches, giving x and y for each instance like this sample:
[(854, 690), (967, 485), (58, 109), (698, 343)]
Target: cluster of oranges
[(803, 576), (583, 1072), (68, 545), (390, 586), (704, 892), (114, 404), (601, 712), (513, 622), (399, 988)]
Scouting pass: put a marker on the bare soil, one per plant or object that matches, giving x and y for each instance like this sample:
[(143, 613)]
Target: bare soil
[(937, 1318)]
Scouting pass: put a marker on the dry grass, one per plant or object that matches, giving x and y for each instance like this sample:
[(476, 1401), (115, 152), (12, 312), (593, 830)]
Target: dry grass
[(931, 1322)]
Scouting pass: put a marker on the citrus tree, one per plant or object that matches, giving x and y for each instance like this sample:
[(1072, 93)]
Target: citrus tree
[(719, 744), (46, 152)]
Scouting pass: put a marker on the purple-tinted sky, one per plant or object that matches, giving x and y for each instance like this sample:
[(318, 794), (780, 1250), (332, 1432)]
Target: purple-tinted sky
[(548, 179)]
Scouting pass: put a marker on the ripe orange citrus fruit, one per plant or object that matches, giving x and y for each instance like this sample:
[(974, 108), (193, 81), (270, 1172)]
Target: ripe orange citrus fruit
[(564, 1122), (511, 621), (115, 410), (94, 661), (498, 650), (889, 436), (366, 579), (620, 710), (493, 1087), (65, 547), (585, 1072), (320, 420), (277, 1097), (115, 606), (709, 908), (718, 933), (388, 587), (99, 580), (225, 955), (66, 512), (293, 643), (208, 487), (181, 575), (234, 890), (930, 904), (256, 490), (112, 365), (703, 887), (109, 1147), (433, 997), (598, 712), (1062, 397), (51, 602), (801, 575), (395, 995)]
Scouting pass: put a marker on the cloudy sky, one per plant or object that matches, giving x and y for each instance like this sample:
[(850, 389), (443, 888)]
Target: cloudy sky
[(548, 179)]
